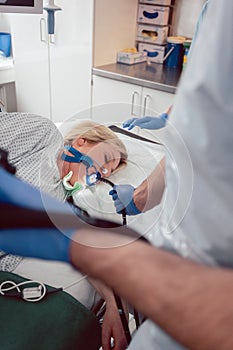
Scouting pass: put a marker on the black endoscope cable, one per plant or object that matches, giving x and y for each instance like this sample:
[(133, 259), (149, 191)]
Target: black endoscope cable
[(123, 212), (117, 298)]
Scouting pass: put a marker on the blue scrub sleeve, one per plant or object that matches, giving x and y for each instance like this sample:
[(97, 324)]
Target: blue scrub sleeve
[(43, 243), (49, 242)]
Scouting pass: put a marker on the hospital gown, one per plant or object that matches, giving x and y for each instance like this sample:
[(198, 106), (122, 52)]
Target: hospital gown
[(33, 143)]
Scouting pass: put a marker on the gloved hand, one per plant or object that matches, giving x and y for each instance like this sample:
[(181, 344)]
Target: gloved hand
[(122, 196), (45, 243), (151, 123)]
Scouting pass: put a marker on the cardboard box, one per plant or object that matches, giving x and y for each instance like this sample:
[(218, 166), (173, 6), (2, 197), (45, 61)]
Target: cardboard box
[(157, 2), (154, 52), (157, 15), (152, 34), (131, 58)]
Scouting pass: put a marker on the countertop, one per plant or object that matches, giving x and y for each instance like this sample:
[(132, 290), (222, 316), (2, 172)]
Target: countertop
[(155, 75)]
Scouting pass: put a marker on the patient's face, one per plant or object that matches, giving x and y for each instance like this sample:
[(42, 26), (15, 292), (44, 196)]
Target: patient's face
[(105, 158)]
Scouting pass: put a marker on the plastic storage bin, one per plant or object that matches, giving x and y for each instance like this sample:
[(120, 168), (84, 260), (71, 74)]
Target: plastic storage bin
[(157, 15), (154, 52), (174, 52), (157, 2), (5, 44), (152, 34), (130, 57)]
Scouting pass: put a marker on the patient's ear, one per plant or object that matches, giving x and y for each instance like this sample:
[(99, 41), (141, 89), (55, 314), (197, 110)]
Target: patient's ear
[(79, 142)]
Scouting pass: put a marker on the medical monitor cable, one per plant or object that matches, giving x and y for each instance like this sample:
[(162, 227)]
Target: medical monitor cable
[(30, 294)]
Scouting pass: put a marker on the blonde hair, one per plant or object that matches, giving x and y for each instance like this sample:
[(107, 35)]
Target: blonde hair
[(95, 133)]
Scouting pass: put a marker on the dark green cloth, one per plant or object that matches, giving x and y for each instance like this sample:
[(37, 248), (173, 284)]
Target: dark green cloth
[(57, 322)]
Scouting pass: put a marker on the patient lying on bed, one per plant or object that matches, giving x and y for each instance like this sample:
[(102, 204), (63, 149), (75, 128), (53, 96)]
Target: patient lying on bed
[(95, 200), (35, 146)]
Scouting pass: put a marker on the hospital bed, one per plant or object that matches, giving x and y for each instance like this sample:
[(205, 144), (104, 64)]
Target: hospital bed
[(143, 156)]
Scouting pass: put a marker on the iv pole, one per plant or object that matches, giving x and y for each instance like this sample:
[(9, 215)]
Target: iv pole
[(51, 8)]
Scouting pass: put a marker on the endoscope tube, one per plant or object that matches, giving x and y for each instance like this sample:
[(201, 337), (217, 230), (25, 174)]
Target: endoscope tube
[(123, 212)]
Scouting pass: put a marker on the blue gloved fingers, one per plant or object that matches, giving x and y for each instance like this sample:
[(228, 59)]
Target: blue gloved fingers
[(50, 244), (114, 195), (112, 192), (123, 199), (151, 123), (164, 116), (129, 123), (147, 122), (119, 206), (142, 122), (117, 203)]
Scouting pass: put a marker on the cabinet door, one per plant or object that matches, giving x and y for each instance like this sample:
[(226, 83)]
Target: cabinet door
[(114, 101), (30, 55), (155, 102), (71, 60)]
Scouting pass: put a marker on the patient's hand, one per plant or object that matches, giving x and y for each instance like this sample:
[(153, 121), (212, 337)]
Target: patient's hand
[(112, 325), (112, 328)]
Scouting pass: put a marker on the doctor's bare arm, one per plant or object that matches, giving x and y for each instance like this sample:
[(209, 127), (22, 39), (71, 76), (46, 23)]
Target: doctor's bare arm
[(149, 193), (191, 302)]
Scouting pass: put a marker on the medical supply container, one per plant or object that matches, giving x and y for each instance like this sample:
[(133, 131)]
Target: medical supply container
[(152, 34), (157, 15), (155, 53), (131, 57), (174, 52), (157, 2)]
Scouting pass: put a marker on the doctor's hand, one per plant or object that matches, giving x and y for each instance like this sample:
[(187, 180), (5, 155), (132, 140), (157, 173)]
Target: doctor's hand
[(122, 196), (151, 123)]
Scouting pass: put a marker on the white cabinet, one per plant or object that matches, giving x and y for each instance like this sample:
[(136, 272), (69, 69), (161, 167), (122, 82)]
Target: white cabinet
[(53, 74), (30, 64), (116, 101), (155, 102)]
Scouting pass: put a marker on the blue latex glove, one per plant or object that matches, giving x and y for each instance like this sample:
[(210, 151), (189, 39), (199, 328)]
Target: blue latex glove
[(48, 243), (151, 123), (122, 196)]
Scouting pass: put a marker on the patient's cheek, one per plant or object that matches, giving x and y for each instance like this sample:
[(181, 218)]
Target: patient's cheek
[(63, 168), (79, 173)]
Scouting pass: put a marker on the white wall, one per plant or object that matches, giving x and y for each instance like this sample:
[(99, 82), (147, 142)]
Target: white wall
[(185, 16), (114, 28)]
